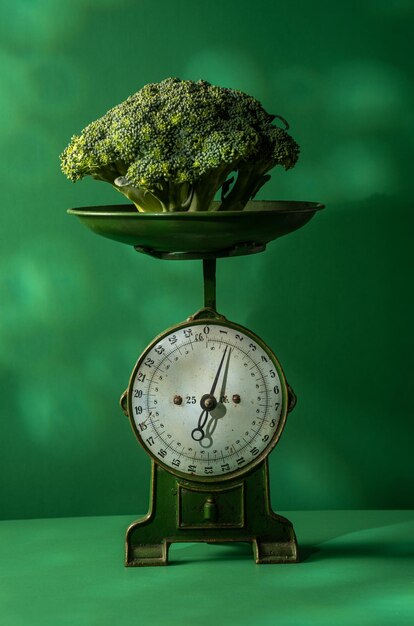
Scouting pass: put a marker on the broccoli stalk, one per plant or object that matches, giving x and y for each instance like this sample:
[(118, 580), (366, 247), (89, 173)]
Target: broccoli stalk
[(166, 197), (206, 187), (172, 146)]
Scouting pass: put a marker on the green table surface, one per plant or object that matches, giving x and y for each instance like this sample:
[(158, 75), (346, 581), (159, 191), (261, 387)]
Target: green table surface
[(357, 569)]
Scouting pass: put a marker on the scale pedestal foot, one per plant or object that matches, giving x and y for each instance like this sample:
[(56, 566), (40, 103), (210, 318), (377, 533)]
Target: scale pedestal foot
[(181, 511), (139, 555), (275, 551)]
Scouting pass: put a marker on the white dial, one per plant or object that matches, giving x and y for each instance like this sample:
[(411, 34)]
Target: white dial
[(207, 399)]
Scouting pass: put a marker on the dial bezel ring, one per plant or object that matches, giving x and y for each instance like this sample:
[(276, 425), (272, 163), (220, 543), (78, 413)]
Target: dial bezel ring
[(217, 320)]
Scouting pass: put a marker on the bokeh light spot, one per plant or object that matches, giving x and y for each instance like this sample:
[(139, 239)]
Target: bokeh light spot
[(38, 22), (47, 284), (363, 95), (15, 92), (57, 84)]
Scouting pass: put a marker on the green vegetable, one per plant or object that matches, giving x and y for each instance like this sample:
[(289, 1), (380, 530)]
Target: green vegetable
[(172, 145)]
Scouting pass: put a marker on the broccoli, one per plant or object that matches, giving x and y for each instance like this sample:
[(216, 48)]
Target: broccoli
[(172, 145)]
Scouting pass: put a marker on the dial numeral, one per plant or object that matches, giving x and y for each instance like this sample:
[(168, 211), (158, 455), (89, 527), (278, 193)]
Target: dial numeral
[(176, 462), (191, 400), (225, 467), (162, 453), (159, 349), (150, 441), (254, 451), (138, 410), (137, 393), (141, 377), (143, 426), (240, 460), (208, 470), (192, 468), (149, 362)]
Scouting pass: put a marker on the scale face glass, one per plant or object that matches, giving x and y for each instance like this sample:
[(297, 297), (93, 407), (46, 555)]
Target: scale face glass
[(208, 400)]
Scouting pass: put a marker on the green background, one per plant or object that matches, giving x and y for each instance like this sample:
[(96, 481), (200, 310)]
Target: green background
[(334, 300)]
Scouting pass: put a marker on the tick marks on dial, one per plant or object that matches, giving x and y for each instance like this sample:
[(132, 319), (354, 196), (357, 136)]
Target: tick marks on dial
[(157, 435)]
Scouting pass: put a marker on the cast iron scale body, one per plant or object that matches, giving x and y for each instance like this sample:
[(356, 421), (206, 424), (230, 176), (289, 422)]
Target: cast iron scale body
[(207, 399)]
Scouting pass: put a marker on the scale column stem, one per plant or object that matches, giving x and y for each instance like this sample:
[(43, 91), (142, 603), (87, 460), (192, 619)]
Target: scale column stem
[(209, 275)]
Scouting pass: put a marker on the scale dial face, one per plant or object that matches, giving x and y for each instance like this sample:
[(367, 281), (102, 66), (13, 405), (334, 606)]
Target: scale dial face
[(207, 400)]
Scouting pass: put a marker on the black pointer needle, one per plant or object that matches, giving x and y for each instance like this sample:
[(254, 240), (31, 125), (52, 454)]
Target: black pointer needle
[(198, 433), (224, 381), (213, 388)]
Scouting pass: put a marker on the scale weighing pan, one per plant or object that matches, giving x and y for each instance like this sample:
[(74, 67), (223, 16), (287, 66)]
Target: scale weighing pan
[(201, 234)]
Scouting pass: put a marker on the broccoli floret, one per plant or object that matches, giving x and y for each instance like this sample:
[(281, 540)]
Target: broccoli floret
[(172, 145)]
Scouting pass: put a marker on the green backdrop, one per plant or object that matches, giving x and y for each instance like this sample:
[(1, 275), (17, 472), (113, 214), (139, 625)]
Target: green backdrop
[(333, 300)]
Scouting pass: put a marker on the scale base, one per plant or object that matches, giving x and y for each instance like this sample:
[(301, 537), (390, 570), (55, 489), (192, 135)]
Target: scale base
[(186, 511)]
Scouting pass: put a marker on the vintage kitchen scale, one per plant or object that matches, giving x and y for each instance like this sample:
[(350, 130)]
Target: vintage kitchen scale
[(207, 399)]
